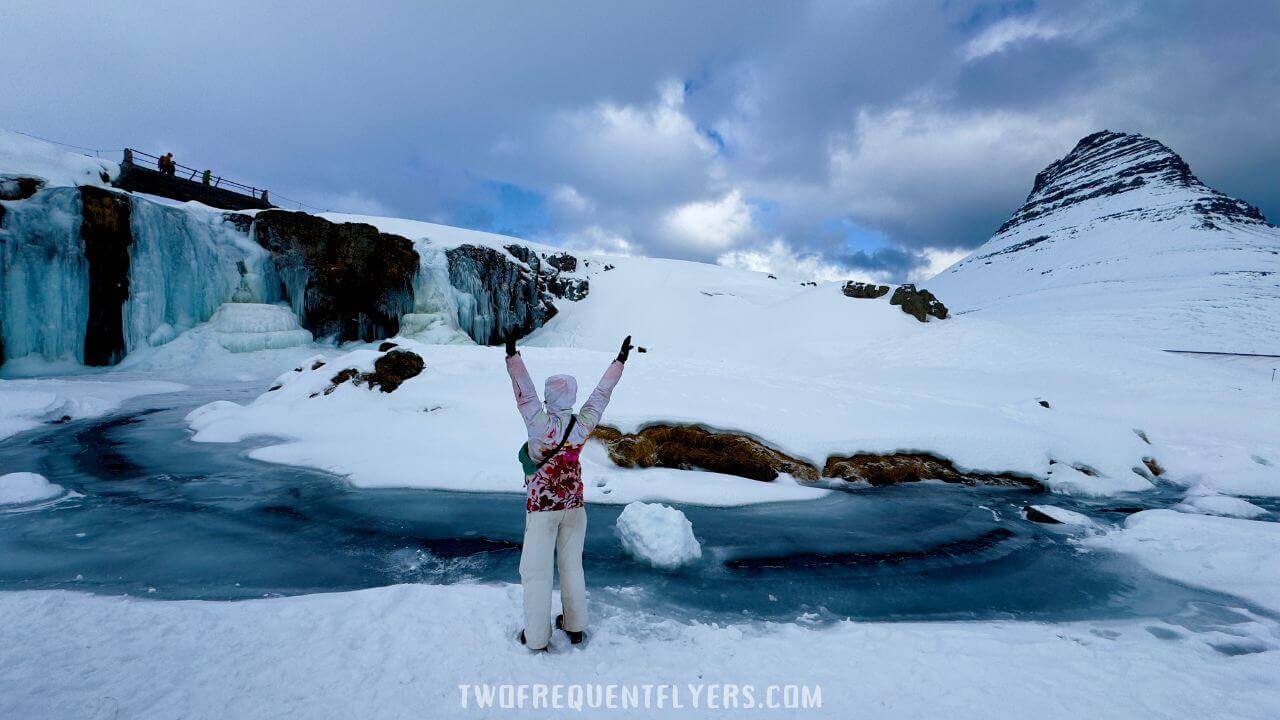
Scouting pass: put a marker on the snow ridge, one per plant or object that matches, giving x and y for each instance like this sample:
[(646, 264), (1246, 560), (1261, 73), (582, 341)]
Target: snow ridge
[(1109, 163)]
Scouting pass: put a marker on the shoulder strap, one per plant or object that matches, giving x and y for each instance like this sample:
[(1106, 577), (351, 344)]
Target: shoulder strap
[(573, 420)]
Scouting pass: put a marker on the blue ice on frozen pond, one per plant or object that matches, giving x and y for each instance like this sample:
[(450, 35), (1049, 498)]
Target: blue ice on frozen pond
[(164, 517)]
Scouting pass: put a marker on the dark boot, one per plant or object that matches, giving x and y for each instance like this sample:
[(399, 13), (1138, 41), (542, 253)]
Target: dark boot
[(575, 637), (522, 642)]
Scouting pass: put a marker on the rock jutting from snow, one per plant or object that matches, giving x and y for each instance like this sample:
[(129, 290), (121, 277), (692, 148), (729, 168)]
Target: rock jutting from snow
[(18, 187), (344, 280), (894, 468), (686, 447), (864, 291), (920, 304), (390, 371)]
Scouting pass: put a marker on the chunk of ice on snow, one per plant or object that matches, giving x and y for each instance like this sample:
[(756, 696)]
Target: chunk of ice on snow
[(26, 487), (658, 534)]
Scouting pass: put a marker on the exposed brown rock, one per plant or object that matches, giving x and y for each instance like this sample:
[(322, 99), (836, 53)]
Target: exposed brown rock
[(348, 279), (389, 372), (896, 468), (388, 345), (393, 369), (1154, 466), (107, 237), (687, 447)]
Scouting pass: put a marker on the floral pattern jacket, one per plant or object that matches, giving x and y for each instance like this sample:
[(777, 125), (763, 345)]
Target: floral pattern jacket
[(557, 485)]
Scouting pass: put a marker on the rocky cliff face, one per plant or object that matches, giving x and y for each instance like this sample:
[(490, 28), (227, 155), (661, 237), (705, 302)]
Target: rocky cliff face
[(509, 294), (106, 232), (344, 280)]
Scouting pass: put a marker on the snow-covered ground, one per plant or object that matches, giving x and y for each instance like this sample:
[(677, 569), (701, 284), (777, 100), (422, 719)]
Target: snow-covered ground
[(403, 652)]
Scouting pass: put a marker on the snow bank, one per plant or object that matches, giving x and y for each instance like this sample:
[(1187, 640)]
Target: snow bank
[(26, 404), (22, 155), (1239, 557), (1207, 501), (658, 534), (26, 487), (386, 653)]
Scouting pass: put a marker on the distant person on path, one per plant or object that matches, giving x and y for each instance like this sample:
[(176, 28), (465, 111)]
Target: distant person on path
[(555, 521), (166, 164), (207, 178)]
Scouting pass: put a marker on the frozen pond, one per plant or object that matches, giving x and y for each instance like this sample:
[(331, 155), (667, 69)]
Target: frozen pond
[(163, 517)]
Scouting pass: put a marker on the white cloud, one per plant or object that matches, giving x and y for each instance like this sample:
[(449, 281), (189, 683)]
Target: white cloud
[(710, 226), (936, 261), (779, 259), (894, 165), (630, 153), (596, 240), (1008, 33)]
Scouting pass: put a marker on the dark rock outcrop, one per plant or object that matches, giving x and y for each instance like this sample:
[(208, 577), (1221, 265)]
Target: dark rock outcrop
[(106, 233), (920, 304), (345, 280), (511, 297), (389, 372), (880, 470), (687, 447), (864, 291), (18, 187)]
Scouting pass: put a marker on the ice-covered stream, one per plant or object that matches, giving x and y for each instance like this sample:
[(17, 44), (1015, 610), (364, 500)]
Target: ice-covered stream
[(160, 516)]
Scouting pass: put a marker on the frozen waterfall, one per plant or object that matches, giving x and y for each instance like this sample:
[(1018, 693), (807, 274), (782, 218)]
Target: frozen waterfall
[(44, 277)]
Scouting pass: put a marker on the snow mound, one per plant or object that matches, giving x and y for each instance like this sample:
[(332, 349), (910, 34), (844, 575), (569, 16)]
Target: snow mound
[(658, 534), (37, 158), (249, 327), (26, 487), (1206, 501), (1240, 557)]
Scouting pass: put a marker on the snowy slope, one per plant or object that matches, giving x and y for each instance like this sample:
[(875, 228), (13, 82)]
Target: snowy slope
[(403, 652), (1119, 238)]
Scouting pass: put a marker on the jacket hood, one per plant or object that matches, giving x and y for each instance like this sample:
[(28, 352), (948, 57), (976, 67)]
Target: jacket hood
[(560, 393)]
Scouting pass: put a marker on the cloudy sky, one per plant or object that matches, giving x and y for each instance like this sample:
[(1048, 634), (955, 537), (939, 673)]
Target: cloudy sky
[(814, 139)]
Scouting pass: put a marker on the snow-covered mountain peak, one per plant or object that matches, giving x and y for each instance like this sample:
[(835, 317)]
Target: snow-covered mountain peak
[(1120, 237), (1150, 176)]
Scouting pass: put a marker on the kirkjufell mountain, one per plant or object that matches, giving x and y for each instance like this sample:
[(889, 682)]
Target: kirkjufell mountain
[(1120, 237)]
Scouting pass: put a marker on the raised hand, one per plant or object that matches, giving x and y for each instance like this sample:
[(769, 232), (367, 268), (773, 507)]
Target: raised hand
[(625, 351), (511, 346)]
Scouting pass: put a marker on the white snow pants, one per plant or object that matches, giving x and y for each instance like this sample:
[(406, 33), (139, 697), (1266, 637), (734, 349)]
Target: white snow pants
[(561, 532)]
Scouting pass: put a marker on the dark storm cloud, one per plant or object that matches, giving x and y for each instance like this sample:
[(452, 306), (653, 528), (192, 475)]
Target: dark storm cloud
[(684, 129)]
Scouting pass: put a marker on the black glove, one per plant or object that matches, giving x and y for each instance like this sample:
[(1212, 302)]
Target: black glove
[(511, 346), (625, 351)]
